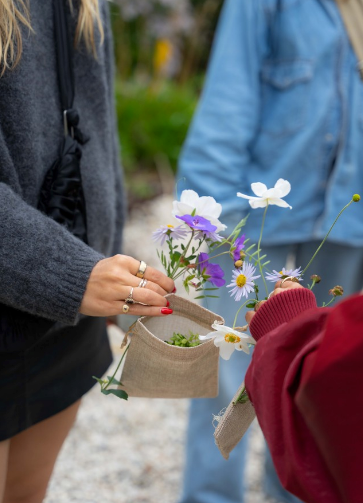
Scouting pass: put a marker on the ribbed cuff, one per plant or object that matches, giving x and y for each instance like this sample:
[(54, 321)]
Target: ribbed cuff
[(280, 309)]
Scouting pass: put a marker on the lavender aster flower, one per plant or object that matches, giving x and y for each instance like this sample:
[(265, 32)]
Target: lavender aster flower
[(242, 281), (165, 231), (198, 223), (239, 245), (284, 273), (212, 272)]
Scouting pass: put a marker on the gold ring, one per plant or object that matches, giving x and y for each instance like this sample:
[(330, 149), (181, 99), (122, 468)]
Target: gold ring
[(142, 283), (130, 299), (289, 278), (125, 308), (142, 268)]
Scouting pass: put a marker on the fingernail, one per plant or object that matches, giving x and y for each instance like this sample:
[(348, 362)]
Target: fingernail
[(174, 290), (165, 310), (167, 303)]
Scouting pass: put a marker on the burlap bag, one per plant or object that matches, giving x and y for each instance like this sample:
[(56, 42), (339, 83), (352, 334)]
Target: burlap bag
[(154, 369), (233, 424)]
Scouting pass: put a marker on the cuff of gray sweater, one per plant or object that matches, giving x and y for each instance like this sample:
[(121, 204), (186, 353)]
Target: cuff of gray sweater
[(280, 309), (69, 287)]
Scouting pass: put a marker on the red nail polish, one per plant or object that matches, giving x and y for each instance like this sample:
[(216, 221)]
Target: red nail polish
[(167, 303), (174, 290), (165, 310)]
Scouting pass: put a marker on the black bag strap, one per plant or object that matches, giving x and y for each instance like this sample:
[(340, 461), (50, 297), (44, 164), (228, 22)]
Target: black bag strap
[(64, 53)]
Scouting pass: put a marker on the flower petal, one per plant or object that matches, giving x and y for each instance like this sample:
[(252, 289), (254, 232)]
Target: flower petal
[(211, 335), (258, 188), (279, 202), (226, 350), (189, 197), (283, 186), (258, 203)]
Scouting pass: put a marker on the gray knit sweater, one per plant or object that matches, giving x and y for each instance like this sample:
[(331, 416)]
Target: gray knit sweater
[(43, 268)]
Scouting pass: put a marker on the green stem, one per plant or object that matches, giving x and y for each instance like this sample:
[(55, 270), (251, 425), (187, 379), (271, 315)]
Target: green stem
[(118, 366), (235, 318), (329, 231), (182, 256), (330, 302), (259, 249)]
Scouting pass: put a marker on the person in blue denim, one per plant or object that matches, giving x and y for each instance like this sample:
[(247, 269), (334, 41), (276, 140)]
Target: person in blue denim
[(282, 99)]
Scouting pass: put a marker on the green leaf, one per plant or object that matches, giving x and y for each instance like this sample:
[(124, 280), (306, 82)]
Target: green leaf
[(120, 393), (114, 381), (200, 297), (250, 248), (251, 304), (266, 263), (100, 381), (213, 296)]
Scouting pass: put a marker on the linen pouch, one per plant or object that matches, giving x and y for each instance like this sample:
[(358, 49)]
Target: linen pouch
[(155, 369), (233, 425)]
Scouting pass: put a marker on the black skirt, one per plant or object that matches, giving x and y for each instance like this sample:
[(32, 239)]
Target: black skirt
[(54, 372)]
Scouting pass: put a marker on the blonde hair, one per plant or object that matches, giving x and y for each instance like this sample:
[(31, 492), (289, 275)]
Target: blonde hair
[(13, 13)]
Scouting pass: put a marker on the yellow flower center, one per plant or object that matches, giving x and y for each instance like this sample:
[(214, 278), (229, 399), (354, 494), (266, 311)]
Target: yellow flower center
[(232, 338), (170, 226), (281, 272), (241, 280)]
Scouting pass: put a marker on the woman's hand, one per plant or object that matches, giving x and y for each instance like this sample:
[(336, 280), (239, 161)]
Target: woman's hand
[(110, 284), (279, 288)]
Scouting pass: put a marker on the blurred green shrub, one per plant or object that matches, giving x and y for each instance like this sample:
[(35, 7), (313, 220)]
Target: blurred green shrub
[(153, 122), (161, 52)]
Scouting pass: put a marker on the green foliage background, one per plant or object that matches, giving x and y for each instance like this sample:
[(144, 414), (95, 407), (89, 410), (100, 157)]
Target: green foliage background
[(154, 110)]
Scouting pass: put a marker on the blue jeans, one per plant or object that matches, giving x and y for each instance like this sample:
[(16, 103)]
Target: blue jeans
[(208, 478)]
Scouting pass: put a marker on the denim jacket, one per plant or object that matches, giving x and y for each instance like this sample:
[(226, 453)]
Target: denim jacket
[(282, 99)]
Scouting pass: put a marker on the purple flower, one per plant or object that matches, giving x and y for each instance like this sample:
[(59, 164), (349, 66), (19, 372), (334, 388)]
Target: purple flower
[(167, 231), (239, 244), (211, 272), (198, 223)]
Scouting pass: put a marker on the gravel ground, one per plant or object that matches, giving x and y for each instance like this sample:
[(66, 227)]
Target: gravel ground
[(132, 452)]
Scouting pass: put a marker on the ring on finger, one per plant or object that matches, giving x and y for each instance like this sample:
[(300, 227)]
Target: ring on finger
[(289, 278), (142, 268), (130, 299), (142, 283), (125, 308)]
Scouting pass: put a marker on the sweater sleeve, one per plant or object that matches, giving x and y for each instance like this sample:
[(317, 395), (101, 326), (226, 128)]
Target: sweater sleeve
[(44, 269), (280, 309)]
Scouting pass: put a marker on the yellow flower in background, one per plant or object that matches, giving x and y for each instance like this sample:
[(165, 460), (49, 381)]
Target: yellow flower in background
[(162, 55)]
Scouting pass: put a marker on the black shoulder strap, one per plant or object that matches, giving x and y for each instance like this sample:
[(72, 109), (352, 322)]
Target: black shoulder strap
[(64, 55)]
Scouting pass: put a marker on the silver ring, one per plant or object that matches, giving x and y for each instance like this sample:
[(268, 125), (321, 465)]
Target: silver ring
[(130, 299), (142, 268), (142, 283), (125, 308)]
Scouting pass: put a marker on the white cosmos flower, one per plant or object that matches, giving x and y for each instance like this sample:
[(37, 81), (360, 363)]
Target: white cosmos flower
[(267, 196), (205, 206), (227, 340)]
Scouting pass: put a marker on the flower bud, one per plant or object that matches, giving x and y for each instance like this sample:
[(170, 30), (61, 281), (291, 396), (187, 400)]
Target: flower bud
[(238, 264), (337, 291), (315, 278), (356, 198), (242, 255)]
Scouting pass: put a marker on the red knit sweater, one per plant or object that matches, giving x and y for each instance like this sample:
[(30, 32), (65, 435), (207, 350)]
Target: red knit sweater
[(306, 383)]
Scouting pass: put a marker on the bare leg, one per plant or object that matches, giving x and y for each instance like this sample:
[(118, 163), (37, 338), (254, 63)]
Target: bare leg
[(4, 454), (32, 455)]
